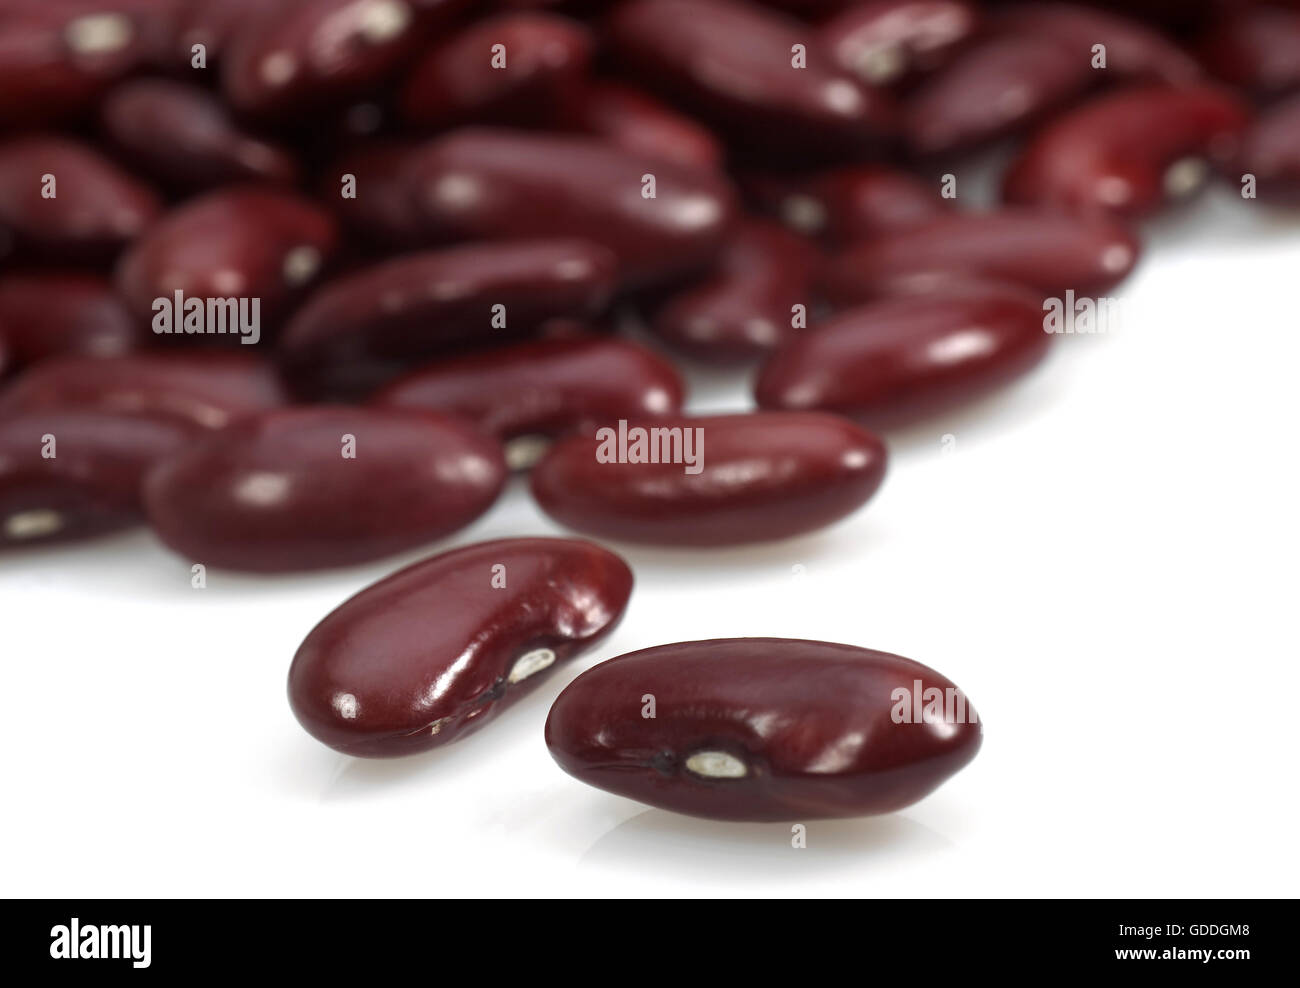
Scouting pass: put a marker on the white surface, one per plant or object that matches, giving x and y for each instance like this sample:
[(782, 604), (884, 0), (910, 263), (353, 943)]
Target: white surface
[(1106, 563)]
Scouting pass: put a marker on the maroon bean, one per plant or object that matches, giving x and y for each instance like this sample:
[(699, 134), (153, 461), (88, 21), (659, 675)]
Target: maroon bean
[(72, 473), (63, 200), (184, 137), (773, 729), (1255, 48), (1270, 151), (1046, 252), (903, 359), (641, 125), (540, 60), (433, 652), (735, 64), (46, 315), (310, 488), (233, 243), (1127, 153), (747, 306), (883, 42), (213, 23), (543, 388), (383, 210), (711, 480), (208, 389)]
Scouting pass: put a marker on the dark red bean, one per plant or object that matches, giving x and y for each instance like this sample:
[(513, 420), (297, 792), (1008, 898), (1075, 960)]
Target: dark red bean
[(719, 480), (884, 42), (747, 306), (234, 243), (383, 211), (433, 652), (734, 64), (309, 488), (763, 729), (46, 315), (185, 138), (1046, 252), (904, 359), (543, 388), (62, 200), (539, 63), (1255, 47), (212, 24), (641, 125), (1128, 153), (208, 389), (1270, 150), (419, 304), (73, 473)]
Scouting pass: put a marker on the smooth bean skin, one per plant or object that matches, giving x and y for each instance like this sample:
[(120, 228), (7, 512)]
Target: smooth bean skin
[(95, 210), (1045, 252), (641, 125), (49, 314), (805, 729), (213, 24), (91, 483), (1255, 48), (546, 56), (237, 242), (275, 492), (731, 63), (430, 654), (904, 359), (1128, 153), (884, 42), (184, 137), (1270, 150), (744, 308), (766, 476)]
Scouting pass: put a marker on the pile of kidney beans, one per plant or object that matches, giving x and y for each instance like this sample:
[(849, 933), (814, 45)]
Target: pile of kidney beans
[(448, 211)]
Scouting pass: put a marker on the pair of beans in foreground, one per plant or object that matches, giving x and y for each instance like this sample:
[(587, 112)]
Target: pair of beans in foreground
[(733, 728)]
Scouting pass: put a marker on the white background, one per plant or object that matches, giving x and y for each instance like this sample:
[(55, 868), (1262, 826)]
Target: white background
[(1105, 562)]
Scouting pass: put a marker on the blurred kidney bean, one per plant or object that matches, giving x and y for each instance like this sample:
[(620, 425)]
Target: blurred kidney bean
[(73, 473), (62, 200), (208, 389), (764, 729), (540, 61), (884, 42), (183, 137), (237, 242), (733, 63), (1046, 252), (641, 125), (903, 359), (50, 314), (309, 488), (534, 391), (732, 479), (746, 306), (433, 652), (213, 23), (1270, 150), (1127, 153), (1255, 48)]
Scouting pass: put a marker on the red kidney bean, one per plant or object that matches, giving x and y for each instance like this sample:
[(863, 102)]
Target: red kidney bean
[(416, 305), (734, 64), (485, 184), (208, 389), (903, 359), (1127, 153), (773, 729), (4, 352), (433, 652), (543, 388), (213, 23), (1046, 252), (1270, 151), (233, 243), (540, 61), (315, 487), (72, 473), (746, 306), (755, 477), (383, 212), (45, 315), (851, 203), (62, 200), (185, 138), (1255, 48), (884, 42), (641, 125)]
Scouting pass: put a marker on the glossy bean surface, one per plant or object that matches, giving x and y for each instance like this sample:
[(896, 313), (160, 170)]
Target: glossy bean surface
[(1255, 47), (764, 729), (884, 42), (55, 314), (642, 125), (433, 652), (1270, 151)]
